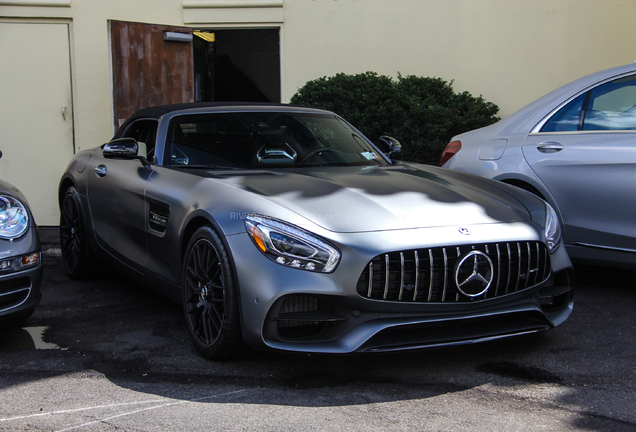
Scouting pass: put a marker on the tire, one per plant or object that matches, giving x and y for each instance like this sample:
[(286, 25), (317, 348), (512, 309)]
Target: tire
[(210, 298), (76, 255)]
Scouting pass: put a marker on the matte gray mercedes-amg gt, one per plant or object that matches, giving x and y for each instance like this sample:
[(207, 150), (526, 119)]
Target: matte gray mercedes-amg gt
[(283, 227)]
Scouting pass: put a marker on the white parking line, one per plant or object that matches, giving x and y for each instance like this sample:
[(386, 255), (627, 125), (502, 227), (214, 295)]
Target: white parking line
[(156, 401), (78, 410)]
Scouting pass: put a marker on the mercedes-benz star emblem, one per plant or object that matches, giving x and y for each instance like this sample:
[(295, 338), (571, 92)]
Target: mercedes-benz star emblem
[(474, 274)]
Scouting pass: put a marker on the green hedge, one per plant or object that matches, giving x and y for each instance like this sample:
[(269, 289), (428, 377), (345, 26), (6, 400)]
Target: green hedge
[(422, 113)]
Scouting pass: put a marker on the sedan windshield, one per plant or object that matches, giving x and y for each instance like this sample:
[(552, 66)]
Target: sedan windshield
[(266, 139)]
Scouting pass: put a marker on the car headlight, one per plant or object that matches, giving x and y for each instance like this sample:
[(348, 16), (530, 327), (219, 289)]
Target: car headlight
[(291, 246), (552, 228), (14, 217)]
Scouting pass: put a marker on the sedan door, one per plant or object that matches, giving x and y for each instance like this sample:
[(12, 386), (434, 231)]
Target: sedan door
[(585, 154)]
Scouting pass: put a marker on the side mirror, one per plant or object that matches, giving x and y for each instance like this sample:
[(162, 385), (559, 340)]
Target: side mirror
[(123, 148), (393, 145)]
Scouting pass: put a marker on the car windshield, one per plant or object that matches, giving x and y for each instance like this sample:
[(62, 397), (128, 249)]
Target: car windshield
[(266, 139)]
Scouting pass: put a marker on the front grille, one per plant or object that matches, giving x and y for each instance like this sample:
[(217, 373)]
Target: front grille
[(429, 275)]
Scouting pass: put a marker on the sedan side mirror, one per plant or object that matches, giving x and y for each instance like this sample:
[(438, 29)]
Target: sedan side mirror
[(392, 145), (123, 148)]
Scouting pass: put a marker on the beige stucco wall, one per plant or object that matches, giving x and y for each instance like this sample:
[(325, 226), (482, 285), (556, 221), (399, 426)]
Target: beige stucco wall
[(509, 51)]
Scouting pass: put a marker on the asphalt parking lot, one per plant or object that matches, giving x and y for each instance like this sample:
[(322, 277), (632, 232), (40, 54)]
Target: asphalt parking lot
[(107, 354)]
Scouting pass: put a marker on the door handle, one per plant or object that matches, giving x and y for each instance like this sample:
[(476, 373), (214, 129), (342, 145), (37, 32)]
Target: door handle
[(550, 147), (100, 170)]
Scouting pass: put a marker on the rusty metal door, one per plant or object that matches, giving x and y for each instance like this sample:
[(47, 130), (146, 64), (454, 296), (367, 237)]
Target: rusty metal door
[(148, 70)]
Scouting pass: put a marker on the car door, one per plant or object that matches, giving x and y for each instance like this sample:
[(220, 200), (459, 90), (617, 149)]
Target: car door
[(585, 154), (116, 200)]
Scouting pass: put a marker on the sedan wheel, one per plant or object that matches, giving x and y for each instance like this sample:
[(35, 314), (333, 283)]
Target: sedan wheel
[(210, 300), (73, 242)]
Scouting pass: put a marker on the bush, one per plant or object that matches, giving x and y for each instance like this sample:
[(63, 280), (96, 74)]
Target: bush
[(422, 113)]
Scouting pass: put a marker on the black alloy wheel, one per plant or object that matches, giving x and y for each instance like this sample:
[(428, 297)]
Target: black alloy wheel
[(210, 300), (76, 255)]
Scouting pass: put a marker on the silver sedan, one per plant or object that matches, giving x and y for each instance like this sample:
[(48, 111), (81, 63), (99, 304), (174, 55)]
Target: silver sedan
[(576, 148)]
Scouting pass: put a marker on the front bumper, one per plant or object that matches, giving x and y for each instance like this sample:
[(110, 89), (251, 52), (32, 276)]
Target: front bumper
[(295, 310), (20, 287)]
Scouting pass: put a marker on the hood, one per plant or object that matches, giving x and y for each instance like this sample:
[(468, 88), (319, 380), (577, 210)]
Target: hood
[(359, 199)]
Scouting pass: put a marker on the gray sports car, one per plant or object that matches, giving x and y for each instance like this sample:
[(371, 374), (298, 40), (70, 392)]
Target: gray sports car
[(282, 227), (20, 256)]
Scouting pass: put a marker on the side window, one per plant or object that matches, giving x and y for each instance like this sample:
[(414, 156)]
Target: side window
[(567, 119), (612, 106), (145, 132)]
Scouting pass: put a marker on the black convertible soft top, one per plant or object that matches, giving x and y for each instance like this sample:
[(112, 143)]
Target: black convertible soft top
[(158, 111)]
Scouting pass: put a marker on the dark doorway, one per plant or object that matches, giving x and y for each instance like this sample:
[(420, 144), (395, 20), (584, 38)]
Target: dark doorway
[(237, 65)]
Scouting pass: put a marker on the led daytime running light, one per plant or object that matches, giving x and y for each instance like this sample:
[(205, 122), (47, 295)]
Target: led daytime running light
[(291, 246)]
